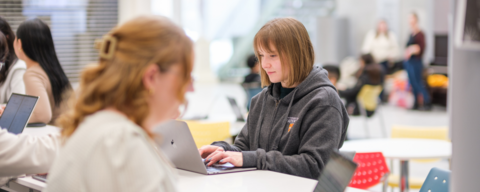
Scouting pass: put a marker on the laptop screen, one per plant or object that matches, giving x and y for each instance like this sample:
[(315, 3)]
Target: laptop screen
[(236, 109), (17, 112), (336, 175)]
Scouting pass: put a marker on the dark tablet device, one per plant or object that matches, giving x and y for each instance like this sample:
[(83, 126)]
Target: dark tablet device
[(336, 175), (17, 112)]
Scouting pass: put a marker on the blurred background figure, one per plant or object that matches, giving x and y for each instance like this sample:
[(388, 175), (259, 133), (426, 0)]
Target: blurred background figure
[(254, 75), (252, 82), (382, 44), (413, 64), (333, 73), (370, 73)]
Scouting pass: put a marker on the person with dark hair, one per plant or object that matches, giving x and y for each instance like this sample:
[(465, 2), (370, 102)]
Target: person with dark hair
[(414, 66), (370, 73), (44, 76), (333, 73), (254, 75), (11, 73)]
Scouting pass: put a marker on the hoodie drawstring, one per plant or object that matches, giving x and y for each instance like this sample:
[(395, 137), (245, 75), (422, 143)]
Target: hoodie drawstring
[(257, 133), (275, 146)]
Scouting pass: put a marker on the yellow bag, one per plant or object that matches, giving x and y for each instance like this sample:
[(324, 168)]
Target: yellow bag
[(437, 80)]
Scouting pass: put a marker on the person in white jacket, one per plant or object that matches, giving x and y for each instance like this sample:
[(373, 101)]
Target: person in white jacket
[(382, 44), (11, 73), (140, 81)]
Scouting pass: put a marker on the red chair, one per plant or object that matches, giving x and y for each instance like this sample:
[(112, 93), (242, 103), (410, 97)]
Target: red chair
[(372, 170)]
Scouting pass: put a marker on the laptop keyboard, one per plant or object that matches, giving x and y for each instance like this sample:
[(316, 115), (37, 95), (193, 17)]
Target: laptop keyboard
[(217, 169)]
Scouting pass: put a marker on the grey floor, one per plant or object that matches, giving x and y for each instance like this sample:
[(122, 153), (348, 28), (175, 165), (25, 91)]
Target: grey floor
[(210, 99)]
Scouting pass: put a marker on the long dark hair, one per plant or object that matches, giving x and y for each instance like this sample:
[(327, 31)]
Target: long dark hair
[(3, 48), (10, 57), (37, 43)]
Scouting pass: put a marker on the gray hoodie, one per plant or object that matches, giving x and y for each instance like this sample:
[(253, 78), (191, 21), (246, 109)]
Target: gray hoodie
[(295, 134)]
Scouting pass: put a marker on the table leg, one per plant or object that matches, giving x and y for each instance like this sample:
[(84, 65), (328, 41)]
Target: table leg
[(404, 187)]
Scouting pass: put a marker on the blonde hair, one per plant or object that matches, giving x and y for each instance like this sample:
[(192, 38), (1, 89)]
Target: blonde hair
[(293, 45), (116, 81)]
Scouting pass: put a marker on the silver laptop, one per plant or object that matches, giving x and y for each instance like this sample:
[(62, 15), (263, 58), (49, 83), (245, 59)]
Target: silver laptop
[(176, 141)]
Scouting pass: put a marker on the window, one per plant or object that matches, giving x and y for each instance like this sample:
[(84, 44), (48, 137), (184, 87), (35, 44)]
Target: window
[(75, 24)]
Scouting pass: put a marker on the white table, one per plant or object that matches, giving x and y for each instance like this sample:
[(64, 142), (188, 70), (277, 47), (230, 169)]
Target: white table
[(403, 150), (258, 180), (39, 131), (249, 181)]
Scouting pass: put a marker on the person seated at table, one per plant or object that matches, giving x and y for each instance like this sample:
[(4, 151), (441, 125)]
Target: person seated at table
[(298, 120), (11, 73), (140, 81), (254, 75), (370, 73), (44, 76), (333, 73)]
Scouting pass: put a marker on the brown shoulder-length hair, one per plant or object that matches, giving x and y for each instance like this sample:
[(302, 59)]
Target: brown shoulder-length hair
[(125, 53), (292, 42)]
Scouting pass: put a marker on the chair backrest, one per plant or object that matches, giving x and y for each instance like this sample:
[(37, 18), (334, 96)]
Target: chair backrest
[(400, 131), (204, 133), (370, 171), (439, 133), (368, 96), (437, 181)]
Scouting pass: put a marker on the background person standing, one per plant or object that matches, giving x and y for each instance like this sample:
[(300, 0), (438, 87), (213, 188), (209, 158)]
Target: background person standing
[(414, 66)]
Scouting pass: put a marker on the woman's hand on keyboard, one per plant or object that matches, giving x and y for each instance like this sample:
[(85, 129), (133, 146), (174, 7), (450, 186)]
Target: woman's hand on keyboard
[(207, 150), (222, 157)]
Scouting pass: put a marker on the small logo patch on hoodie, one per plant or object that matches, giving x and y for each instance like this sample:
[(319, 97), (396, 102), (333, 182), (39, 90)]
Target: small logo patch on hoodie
[(291, 121)]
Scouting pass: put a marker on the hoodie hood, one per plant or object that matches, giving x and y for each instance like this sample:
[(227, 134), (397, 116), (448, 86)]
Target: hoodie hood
[(317, 78)]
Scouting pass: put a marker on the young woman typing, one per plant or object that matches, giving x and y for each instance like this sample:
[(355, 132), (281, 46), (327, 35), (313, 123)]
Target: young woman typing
[(140, 81), (44, 76), (296, 121)]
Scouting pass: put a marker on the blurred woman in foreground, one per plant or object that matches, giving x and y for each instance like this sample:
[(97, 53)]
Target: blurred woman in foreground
[(140, 81)]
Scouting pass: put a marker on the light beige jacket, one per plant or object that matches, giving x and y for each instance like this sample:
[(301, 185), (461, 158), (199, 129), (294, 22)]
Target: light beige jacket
[(37, 84), (382, 47)]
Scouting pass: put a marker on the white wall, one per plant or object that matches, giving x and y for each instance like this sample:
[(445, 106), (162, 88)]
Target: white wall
[(464, 112), (361, 17), (441, 10), (129, 9)]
